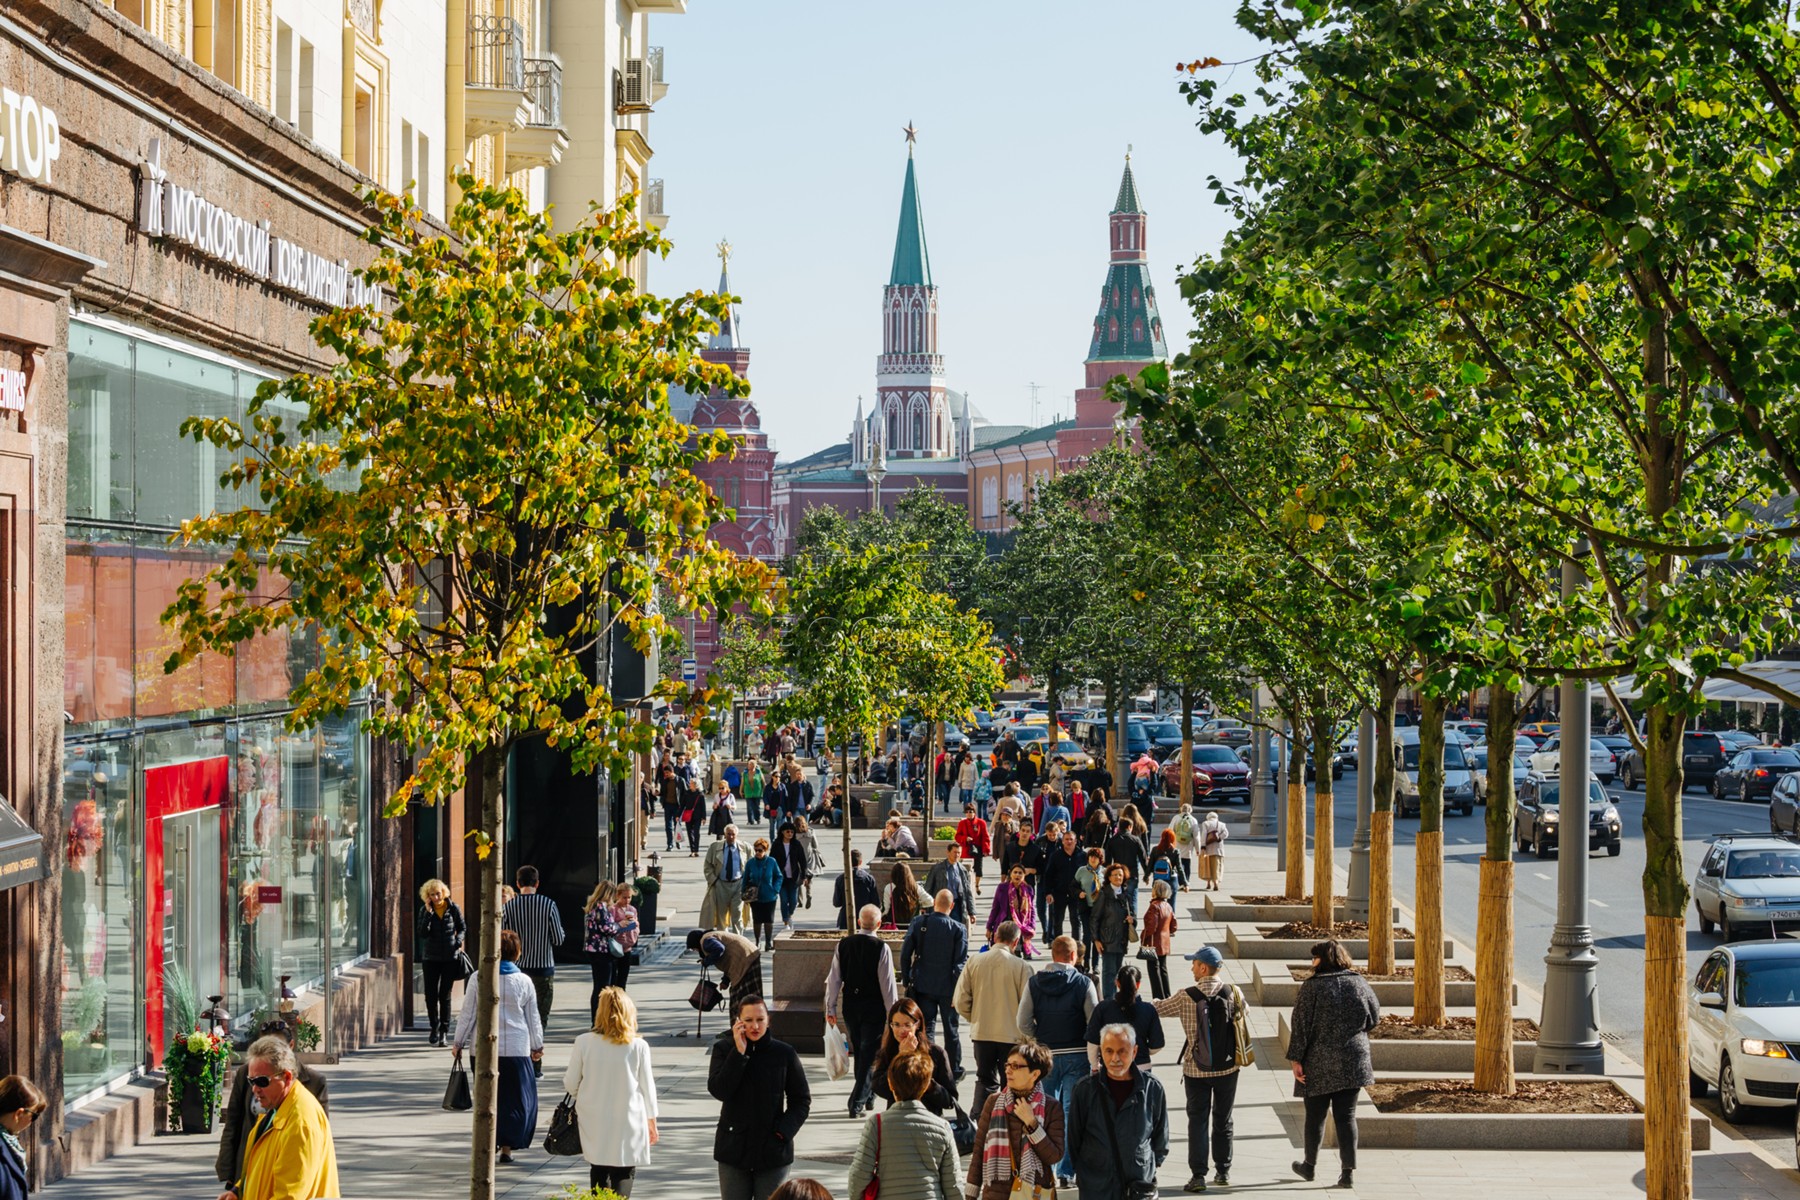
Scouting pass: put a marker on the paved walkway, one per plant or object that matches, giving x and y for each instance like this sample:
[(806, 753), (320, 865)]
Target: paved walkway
[(395, 1142)]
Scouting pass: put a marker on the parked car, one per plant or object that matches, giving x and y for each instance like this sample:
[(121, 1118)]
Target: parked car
[(1618, 743), (1547, 759), (1222, 731), (1748, 885), (1218, 774), (1784, 806), (1540, 729), (1478, 767), (1459, 784), (1347, 749), (1073, 756), (1473, 731), (1702, 757), (1744, 1026), (1539, 817), (1751, 774), (983, 730), (1737, 739), (1165, 738)]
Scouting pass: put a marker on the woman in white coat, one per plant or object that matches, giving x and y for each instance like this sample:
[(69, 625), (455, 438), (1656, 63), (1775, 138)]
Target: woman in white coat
[(615, 1096)]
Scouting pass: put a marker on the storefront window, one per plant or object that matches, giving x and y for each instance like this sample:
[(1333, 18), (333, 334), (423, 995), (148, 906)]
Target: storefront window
[(101, 1001), (101, 452), (171, 387)]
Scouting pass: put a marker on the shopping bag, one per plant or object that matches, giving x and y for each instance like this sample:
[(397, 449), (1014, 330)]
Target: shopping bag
[(706, 996), (565, 1132), (837, 1053), (457, 1097)]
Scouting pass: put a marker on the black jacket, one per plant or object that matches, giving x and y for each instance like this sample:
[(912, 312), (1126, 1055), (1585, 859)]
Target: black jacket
[(790, 859), (1057, 875), (866, 893), (1127, 848), (1143, 1129), (940, 1097), (763, 1101), (933, 954), (1141, 1016), (440, 937), (1059, 1014)]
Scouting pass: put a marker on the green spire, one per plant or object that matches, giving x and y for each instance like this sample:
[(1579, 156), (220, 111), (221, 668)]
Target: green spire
[(1128, 197), (912, 265)]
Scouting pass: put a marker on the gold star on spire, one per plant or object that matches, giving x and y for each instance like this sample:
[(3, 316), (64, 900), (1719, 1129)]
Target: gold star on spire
[(912, 135)]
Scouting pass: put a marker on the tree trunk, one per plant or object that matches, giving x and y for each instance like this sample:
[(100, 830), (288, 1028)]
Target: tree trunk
[(844, 822), (1494, 905), (1428, 848), (1380, 759), (1324, 877), (485, 1051), (1052, 734), (1668, 1158), (1187, 745), (1296, 814), (933, 739)]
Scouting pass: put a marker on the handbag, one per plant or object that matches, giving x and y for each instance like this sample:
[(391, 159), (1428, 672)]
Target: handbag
[(752, 894), (565, 1130), (464, 963), (872, 1189), (457, 1097), (615, 948), (706, 996), (1146, 953), (1135, 1189), (963, 1131)]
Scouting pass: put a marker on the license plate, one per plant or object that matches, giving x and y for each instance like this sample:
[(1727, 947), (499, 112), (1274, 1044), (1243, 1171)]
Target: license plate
[(1782, 914), (1695, 760)]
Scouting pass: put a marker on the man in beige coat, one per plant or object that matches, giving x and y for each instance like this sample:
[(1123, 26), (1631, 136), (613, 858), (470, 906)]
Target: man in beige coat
[(987, 996)]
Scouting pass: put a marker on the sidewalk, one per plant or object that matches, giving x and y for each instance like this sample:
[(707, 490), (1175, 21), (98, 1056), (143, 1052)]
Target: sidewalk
[(395, 1142)]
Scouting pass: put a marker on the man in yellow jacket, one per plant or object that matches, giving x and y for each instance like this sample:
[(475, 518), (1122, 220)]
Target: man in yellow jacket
[(289, 1155)]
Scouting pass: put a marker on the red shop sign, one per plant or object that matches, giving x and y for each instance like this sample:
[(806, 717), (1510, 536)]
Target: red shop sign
[(268, 895)]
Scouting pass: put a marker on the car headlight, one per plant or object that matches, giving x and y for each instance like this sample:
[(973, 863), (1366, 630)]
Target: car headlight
[(1745, 901), (1762, 1049), (1610, 815)]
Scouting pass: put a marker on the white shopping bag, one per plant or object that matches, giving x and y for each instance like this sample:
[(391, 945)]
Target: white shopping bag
[(837, 1053)]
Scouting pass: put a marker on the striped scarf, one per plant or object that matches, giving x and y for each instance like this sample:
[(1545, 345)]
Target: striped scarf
[(996, 1146)]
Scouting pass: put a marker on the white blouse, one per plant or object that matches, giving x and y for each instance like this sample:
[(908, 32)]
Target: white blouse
[(520, 1031)]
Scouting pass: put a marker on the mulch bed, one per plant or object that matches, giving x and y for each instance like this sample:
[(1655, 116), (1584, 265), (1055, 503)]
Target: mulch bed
[(1338, 900), (1452, 974), (1533, 1096), (1396, 1028), (832, 935), (1306, 931)]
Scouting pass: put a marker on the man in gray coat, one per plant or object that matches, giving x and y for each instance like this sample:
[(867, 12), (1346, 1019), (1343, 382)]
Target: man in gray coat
[(931, 962), (1117, 1126), (952, 876)]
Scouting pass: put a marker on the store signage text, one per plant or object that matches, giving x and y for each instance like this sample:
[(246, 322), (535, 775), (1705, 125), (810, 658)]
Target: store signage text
[(30, 136), (12, 390), (168, 210)]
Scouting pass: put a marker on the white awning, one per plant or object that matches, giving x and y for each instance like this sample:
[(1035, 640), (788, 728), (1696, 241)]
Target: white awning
[(1780, 672)]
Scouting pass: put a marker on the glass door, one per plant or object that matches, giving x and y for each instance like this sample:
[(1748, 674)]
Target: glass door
[(192, 912)]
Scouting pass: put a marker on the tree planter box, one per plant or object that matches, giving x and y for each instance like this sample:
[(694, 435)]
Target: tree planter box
[(801, 963), (1252, 944), (1432, 1056), (1278, 988), (1507, 1131), (799, 1023), (1226, 911)]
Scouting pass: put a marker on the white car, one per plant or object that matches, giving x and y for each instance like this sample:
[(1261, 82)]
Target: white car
[(1744, 1026), (1547, 759)]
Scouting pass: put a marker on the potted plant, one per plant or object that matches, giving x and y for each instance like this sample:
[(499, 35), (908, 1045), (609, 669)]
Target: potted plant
[(647, 887), (195, 1062)]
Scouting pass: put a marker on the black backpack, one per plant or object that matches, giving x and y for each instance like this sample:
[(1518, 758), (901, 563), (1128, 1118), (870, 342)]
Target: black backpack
[(1221, 1029)]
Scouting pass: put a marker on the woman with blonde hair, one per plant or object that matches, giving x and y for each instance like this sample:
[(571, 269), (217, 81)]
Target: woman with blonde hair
[(615, 1094), (440, 929), (601, 934)]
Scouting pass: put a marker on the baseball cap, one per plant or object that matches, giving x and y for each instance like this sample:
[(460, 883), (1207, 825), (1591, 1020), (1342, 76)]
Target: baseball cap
[(1207, 955)]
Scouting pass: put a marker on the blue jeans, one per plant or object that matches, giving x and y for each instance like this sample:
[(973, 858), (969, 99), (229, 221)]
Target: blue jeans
[(1110, 962), (1066, 1070), (931, 1007), (671, 819), (967, 796), (755, 806), (790, 897), (736, 1183), (1131, 890)]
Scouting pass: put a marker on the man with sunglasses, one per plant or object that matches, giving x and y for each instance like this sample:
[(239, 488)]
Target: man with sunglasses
[(289, 1150), (239, 1113)]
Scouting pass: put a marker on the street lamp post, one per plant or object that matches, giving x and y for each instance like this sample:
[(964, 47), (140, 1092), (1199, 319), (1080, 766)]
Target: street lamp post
[(1261, 786), (877, 469), (1569, 1037), (1358, 905)]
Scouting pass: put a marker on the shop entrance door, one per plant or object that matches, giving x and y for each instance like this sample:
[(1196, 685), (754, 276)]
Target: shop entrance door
[(191, 914)]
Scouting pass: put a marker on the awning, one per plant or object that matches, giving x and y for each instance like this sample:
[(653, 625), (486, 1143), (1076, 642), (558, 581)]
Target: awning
[(21, 850), (1781, 672)]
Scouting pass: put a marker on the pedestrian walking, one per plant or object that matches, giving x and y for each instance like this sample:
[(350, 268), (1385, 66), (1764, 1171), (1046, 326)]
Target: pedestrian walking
[(289, 1151), (931, 962), (1211, 1013), (753, 792), (720, 907), (668, 795), (907, 1033), (987, 996), (762, 891), (1034, 860), (860, 988), (738, 958), (626, 929), (1187, 841), (441, 929), (966, 775), (972, 837), (763, 1102), (952, 875), (1054, 1011), (236, 1118), (1129, 846), (1060, 887), (535, 918), (1090, 877), (863, 892), (1117, 1128), (1159, 926), (791, 867), (1212, 850), (902, 898), (1126, 1007), (1113, 924), (1165, 862), (615, 1094), (815, 861), (20, 1104), (599, 940), (521, 1049), (1019, 1131), (693, 818), (724, 810), (1014, 902), (909, 1147), (1328, 1048)]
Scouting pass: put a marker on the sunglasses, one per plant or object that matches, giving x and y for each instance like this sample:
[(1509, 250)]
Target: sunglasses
[(261, 1081), (31, 1114)]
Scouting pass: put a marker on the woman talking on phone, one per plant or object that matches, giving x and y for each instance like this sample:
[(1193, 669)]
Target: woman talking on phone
[(763, 1098)]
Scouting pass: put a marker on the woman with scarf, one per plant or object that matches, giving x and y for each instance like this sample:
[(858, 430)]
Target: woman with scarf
[(1019, 1130), (521, 1044), (1014, 901)]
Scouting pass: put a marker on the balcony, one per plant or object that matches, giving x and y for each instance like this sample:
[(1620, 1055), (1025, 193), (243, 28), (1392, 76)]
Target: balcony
[(632, 88), (542, 141), (494, 95), (650, 205), (658, 88), (671, 7)]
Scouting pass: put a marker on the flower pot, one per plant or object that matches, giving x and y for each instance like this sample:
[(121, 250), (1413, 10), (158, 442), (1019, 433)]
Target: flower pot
[(194, 1109)]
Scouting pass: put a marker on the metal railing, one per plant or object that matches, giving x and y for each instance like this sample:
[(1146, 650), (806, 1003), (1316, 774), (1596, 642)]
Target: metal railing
[(653, 198), (496, 53), (654, 56), (543, 82)]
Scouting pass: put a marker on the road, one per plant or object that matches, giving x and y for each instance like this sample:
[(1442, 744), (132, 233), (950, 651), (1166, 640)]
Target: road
[(1615, 912)]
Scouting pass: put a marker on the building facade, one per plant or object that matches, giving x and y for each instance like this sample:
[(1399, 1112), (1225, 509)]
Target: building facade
[(1008, 471)]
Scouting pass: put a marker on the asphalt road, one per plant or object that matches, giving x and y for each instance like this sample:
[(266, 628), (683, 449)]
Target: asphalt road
[(1615, 909)]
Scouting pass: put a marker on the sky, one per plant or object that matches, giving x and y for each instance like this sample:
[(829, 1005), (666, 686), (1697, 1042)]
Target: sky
[(782, 132)]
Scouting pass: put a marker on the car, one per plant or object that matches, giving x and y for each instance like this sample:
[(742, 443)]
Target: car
[(1784, 806), (1541, 729), (1459, 782), (1165, 737), (1702, 757), (1752, 774), (1748, 885), (1073, 756), (983, 730), (1744, 1026), (1538, 817), (1737, 739), (1547, 759), (1474, 731), (1222, 731), (1218, 774), (1478, 766), (1618, 743), (1347, 749)]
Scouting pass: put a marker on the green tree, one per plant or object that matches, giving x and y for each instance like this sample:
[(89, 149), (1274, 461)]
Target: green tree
[(485, 487)]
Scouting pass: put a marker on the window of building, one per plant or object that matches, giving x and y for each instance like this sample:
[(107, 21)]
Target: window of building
[(284, 72), (131, 10), (407, 177), (363, 154), (990, 497), (304, 98), (215, 37), (422, 185)]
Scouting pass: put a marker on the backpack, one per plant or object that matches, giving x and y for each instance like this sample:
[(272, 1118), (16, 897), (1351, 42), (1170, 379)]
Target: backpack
[(1222, 1024), (1164, 871)]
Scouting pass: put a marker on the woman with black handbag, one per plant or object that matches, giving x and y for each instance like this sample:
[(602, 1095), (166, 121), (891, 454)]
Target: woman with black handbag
[(440, 929), (614, 1095)]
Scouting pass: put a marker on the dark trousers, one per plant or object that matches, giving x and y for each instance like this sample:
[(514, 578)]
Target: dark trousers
[(988, 1057), (617, 1179), (762, 923), (602, 964), (755, 805), (1342, 1107), (1158, 970), (1210, 1101), (1061, 910), (865, 1041), (440, 977), (934, 1006), (544, 983), (671, 820)]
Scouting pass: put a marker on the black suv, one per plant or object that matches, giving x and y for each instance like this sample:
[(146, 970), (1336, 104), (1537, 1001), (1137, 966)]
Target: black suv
[(1702, 757)]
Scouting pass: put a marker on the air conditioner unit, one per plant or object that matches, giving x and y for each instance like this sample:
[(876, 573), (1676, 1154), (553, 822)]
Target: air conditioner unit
[(634, 86)]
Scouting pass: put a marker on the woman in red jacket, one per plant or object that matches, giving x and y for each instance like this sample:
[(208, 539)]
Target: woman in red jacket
[(972, 836)]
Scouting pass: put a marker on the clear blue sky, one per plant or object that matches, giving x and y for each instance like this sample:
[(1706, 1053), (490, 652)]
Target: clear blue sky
[(782, 132)]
